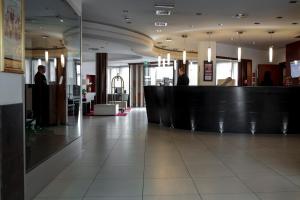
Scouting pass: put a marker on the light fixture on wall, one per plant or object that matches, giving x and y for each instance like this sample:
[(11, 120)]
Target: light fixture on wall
[(271, 48), (184, 51), (169, 59), (239, 50), (62, 60), (209, 48), (159, 61)]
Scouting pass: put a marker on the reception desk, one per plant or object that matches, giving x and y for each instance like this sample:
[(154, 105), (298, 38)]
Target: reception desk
[(225, 109)]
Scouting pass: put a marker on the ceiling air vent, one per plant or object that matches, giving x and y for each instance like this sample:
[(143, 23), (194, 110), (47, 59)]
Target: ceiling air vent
[(163, 12), (160, 24)]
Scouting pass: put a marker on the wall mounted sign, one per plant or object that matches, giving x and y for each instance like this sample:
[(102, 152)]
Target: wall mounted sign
[(208, 71), (12, 36)]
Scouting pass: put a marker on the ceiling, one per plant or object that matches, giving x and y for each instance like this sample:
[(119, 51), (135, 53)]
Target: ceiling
[(47, 23), (184, 20)]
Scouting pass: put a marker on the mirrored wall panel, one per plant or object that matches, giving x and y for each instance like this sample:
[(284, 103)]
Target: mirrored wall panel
[(52, 78)]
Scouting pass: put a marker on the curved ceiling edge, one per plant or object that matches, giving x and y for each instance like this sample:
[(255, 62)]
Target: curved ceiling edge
[(138, 42)]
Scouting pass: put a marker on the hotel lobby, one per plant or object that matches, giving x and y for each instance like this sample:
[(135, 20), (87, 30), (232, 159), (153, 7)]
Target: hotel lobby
[(150, 100)]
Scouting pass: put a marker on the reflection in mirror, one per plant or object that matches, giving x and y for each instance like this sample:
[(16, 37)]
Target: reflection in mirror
[(53, 78)]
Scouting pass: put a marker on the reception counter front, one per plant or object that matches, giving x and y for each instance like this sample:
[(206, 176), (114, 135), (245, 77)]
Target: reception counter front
[(225, 109)]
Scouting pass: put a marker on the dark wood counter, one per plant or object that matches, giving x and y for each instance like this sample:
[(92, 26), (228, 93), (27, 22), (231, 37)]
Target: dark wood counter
[(225, 109)]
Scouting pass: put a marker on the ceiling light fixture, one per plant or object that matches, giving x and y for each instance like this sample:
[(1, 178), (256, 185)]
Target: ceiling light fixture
[(62, 60), (158, 31), (169, 59), (46, 56), (169, 39), (159, 61), (240, 16), (164, 6), (55, 62), (239, 48), (184, 51), (271, 48), (209, 48)]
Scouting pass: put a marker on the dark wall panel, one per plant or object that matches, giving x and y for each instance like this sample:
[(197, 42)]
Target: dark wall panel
[(12, 155)]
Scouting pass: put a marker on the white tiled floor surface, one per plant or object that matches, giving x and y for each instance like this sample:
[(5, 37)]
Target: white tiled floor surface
[(124, 158)]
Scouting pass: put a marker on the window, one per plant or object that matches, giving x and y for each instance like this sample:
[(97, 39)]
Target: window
[(78, 74), (225, 69), (193, 73)]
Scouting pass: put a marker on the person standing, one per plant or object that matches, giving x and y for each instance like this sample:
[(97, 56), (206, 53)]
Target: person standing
[(40, 91), (183, 79)]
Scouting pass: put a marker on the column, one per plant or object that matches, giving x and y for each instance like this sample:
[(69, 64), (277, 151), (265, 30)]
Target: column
[(101, 66)]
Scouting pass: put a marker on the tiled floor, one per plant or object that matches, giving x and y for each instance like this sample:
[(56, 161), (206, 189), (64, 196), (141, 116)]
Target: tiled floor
[(124, 158)]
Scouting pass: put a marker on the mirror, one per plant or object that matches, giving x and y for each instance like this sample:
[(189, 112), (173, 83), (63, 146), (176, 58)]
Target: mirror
[(52, 78)]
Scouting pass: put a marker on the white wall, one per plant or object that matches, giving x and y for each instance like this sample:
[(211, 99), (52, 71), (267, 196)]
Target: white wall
[(257, 56), (11, 88)]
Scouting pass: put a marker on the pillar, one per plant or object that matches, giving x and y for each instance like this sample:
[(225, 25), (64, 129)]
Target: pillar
[(101, 66)]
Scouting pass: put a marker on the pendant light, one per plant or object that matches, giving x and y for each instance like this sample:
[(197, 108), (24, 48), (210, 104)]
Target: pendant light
[(46, 56), (239, 48), (209, 48), (55, 62), (184, 57), (169, 59), (184, 51), (62, 60), (271, 49), (159, 61)]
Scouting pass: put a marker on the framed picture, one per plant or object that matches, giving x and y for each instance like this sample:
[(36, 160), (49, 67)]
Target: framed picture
[(12, 36), (208, 71)]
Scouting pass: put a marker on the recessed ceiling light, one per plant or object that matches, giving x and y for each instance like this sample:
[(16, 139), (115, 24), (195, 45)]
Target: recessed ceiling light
[(163, 12), (93, 49), (295, 23), (127, 18), (240, 16), (45, 36), (169, 39), (256, 23), (199, 13), (165, 6), (279, 17), (292, 2), (161, 24)]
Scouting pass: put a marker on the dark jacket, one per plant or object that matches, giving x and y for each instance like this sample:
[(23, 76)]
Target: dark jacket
[(183, 80)]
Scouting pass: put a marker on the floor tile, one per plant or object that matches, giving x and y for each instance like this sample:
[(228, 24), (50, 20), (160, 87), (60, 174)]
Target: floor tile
[(229, 197), (115, 188), (223, 185), (168, 187), (65, 189)]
